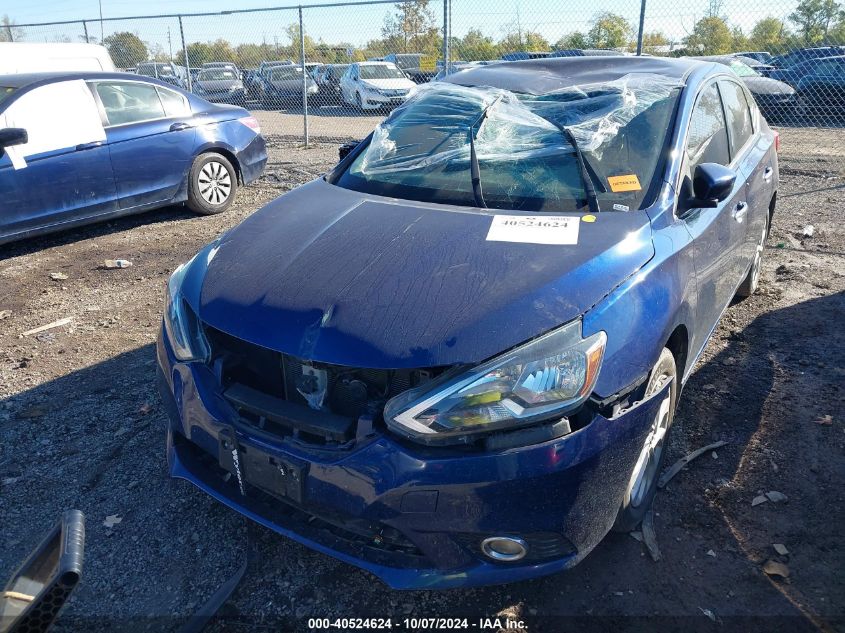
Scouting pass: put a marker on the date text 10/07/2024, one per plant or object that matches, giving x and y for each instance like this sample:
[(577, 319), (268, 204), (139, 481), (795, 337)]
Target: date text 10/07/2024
[(416, 624)]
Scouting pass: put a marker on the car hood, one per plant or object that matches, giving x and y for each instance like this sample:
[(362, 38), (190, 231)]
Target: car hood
[(337, 276), (389, 84), (767, 86), (219, 84)]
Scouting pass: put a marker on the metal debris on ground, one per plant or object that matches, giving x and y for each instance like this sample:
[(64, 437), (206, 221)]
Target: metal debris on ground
[(675, 468), (58, 276), (710, 552), (117, 263), (780, 548), (708, 613), (49, 326), (776, 497), (649, 537), (774, 568)]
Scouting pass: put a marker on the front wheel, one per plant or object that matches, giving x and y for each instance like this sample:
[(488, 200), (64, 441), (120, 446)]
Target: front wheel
[(212, 185), (643, 483)]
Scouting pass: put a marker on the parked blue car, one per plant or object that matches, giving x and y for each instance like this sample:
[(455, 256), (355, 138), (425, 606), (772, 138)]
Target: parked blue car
[(454, 360), (82, 147)]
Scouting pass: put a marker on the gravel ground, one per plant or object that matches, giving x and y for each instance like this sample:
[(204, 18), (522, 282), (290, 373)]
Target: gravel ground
[(81, 426)]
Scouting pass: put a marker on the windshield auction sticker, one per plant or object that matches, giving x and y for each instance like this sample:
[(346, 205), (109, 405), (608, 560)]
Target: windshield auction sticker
[(534, 229)]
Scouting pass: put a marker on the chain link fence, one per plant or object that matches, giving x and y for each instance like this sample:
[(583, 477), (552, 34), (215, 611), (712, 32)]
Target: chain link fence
[(332, 71)]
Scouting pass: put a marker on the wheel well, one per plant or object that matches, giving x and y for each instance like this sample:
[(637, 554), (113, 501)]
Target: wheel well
[(229, 156), (678, 344)]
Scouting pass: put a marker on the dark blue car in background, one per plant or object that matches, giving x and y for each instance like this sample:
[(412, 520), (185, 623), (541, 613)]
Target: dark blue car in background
[(455, 359), (83, 147)]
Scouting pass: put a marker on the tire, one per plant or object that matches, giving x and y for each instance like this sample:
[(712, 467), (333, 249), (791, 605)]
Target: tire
[(212, 184), (749, 285), (643, 483)]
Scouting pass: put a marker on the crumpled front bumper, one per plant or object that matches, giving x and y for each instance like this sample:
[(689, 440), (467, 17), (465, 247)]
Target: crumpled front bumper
[(438, 505)]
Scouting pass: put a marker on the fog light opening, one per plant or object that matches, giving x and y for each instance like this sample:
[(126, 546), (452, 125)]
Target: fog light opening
[(504, 548)]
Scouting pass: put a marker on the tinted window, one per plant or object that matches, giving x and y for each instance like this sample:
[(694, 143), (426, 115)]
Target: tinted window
[(174, 103), (130, 102), (739, 115), (708, 136), (286, 73)]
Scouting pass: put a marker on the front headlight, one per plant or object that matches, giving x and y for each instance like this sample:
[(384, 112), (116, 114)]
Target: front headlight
[(545, 378), (180, 322)]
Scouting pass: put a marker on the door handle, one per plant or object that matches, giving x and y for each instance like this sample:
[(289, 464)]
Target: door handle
[(739, 211), (83, 146), (767, 174), (180, 125)]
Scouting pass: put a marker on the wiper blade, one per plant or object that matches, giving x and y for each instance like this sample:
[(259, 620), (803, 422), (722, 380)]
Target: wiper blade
[(587, 182), (474, 170)]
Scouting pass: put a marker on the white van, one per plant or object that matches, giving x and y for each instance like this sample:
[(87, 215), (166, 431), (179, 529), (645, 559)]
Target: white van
[(26, 57)]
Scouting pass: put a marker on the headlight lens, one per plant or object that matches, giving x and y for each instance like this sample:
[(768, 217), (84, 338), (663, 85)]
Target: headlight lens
[(180, 322), (547, 377)]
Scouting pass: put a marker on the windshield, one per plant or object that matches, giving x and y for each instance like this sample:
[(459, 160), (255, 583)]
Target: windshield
[(422, 151), (217, 74), (6, 92), (381, 71), (408, 61), (288, 72), (742, 70), (336, 72)]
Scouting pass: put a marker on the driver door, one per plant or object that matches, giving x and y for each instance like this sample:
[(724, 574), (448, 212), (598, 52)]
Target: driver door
[(718, 233)]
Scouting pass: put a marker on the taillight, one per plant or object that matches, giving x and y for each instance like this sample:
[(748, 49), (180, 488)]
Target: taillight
[(777, 141), (252, 123)]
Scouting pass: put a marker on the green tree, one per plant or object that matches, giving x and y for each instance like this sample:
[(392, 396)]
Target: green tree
[(576, 39), (126, 49), (475, 46), (410, 28), (769, 34), (710, 36), (292, 31), (523, 41), (814, 19), (739, 41), (609, 30)]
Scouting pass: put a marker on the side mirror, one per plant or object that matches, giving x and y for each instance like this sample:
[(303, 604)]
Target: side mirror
[(711, 184), (13, 136), (343, 150), (36, 593)]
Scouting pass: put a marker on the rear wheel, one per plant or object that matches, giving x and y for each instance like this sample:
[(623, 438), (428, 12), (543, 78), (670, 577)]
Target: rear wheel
[(643, 483), (212, 185), (749, 285)]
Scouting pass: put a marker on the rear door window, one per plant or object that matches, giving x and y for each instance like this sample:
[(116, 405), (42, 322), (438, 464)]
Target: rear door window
[(707, 141), (130, 102), (174, 103), (739, 115)]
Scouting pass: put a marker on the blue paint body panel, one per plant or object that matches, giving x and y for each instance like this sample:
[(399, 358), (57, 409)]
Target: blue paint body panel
[(140, 166), (341, 277)]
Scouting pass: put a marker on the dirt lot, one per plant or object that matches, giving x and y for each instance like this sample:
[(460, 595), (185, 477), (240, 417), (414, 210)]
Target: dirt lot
[(81, 426)]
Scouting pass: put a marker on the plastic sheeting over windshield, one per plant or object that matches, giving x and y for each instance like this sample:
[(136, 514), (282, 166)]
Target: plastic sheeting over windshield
[(422, 150), (517, 126)]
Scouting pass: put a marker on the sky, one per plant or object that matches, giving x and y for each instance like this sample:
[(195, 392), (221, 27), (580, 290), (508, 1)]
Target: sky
[(552, 18)]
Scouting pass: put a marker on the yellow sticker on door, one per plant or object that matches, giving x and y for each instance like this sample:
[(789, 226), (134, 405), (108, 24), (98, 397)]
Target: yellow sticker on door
[(628, 182)]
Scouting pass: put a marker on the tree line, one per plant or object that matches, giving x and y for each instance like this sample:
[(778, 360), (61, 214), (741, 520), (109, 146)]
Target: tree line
[(411, 27)]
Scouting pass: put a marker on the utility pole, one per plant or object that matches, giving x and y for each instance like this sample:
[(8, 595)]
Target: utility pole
[(85, 28), (169, 44), (185, 54), (101, 20)]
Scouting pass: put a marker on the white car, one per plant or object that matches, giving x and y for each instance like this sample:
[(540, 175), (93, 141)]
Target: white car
[(374, 85)]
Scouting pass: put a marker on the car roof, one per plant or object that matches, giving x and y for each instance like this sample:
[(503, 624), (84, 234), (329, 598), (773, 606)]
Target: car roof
[(375, 63), (22, 80), (540, 76)]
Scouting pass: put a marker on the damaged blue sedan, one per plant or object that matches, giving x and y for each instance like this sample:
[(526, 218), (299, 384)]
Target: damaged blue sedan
[(454, 360)]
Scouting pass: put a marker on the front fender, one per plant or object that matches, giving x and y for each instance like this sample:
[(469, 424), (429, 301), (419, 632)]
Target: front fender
[(640, 315)]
